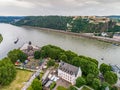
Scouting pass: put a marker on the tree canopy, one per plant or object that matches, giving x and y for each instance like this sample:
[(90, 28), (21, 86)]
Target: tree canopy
[(87, 64), (110, 77), (51, 62), (104, 68), (37, 55), (36, 85), (7, 72), (16, 54), (80, 81), (96, 84)]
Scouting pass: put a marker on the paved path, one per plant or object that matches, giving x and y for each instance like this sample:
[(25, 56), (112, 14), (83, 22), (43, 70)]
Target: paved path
[(27, 84), (82, 87)]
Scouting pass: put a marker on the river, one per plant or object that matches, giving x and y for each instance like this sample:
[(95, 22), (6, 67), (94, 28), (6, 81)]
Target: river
[(82, 46)]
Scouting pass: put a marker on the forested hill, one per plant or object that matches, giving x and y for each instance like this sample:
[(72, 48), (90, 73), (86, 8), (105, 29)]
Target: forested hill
[(53, 22), (74, 24), (10, 19)]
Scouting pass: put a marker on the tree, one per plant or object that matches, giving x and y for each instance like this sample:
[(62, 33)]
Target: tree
[(110, 77), (70, 55), (80, 81), (37, 55), (72, 88), (13, 55), (63, 57), (22, 56), (90, 78), (104, 85), (7, 72), (114, 88), (50, 63), (16, 54), (52, 85), (36, 84), (104, 68), (96, 84)]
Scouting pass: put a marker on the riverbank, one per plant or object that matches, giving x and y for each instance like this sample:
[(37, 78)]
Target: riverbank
[(1, 38), (85, 35)]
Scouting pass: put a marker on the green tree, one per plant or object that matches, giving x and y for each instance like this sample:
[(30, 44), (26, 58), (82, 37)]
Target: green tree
[(80, 81), (22, 56), (96, 84), (104, 85), (52, 85), (63, 57), (36, 85), (114, 88), (16, 54), (70, 55), (37, 55), (104, 68), (90, 78), (110, 77), (13, 55), (7, 72), (50, 63)]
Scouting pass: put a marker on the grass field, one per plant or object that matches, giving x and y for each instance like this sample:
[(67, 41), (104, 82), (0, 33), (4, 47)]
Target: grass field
[(61, 88), (21, 77)]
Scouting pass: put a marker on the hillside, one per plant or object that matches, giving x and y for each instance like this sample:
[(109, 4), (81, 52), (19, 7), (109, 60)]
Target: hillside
[(9, 19), (77, 24), (53, 22)]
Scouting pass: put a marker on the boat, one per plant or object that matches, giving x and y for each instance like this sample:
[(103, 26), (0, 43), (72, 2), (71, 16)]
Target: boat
[(16, 41), (102, 58)]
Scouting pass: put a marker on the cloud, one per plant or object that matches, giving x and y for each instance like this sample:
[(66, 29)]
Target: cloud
[(59, 7)]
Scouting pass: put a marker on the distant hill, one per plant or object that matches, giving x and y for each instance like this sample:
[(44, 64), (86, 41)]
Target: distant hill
[(77, 24), (53, 22), (114, 17), (10, 19)]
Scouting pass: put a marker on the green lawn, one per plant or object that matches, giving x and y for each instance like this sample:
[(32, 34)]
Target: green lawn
[(61, 88), (21, 77)]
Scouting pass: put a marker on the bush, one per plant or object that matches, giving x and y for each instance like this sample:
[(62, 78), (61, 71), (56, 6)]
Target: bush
[(37, 54), (52, 85), (50, 63)]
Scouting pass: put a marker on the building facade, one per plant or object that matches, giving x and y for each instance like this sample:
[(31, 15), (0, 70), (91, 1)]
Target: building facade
[(69, 72)]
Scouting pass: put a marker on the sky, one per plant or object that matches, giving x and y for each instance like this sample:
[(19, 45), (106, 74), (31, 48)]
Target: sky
[(59, 7)]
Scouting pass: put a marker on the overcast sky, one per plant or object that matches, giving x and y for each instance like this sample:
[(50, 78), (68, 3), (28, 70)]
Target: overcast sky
[(59, 7)]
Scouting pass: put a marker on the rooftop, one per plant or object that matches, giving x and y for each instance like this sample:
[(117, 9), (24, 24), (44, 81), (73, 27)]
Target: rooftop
[(68, 68)]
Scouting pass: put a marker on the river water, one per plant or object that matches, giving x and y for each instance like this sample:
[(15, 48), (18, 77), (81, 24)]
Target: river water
[(82, 46)]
